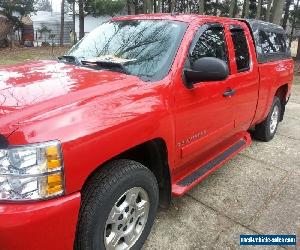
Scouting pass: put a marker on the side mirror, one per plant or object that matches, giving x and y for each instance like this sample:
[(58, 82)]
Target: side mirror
[(206, 69)]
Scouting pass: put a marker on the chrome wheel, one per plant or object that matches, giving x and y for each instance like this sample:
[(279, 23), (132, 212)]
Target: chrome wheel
[(274, 119), (127, 219)]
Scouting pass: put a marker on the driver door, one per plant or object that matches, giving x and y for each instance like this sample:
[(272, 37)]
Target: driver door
[(204, 116)]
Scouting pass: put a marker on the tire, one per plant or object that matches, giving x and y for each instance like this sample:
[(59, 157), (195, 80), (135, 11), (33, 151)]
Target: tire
[(106, 190), (266, 130)]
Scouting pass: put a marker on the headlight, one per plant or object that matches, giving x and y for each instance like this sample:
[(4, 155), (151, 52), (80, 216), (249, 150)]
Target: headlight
[(31, 172)]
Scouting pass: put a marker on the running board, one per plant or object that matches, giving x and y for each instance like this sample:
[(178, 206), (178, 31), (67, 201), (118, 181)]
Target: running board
[(203, 171)]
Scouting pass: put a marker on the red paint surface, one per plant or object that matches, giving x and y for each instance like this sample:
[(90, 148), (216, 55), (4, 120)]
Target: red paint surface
[(43, 225), (99, 114)]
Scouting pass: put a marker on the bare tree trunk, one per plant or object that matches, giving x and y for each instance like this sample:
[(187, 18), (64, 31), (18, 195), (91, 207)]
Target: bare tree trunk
[(169, 6), (258, 11), (268, 12), (74, 22), (62, 23), (128, 4), (246, 10), (145, 7), (286, 13), (216, 8), (293, 25), (173, 6), (277, 11), (201, 7), (11, 38), (232, 8), (151, 6), (298, 49), (148, 6), (158, 7), (136, 7), (81, 19)]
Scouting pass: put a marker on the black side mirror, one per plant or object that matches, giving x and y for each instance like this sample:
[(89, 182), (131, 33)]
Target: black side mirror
[(206, 69)]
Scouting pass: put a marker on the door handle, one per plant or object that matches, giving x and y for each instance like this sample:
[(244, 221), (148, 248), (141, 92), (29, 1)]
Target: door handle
[(229, 92)]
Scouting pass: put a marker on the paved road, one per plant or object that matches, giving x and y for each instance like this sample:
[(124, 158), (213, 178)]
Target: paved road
[(258, 192)]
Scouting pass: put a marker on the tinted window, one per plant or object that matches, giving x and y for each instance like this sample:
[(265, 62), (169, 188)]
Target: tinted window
[(147, 47), (241, 49), (210, 44), (271, 42)]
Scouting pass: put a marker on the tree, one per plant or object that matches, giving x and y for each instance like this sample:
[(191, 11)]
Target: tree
[(246, 8), (62, 22), (286, 13), (201, 6), (216, 7), (232, 8), (81, 18), (104, 7), (258, 11), (9, 7), (43, 33), (72, 3), (277, 11), (173, 6), (268, 12), (159, 9), (43, 5)]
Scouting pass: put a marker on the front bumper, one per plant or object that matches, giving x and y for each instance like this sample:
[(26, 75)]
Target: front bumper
[(39, 225)]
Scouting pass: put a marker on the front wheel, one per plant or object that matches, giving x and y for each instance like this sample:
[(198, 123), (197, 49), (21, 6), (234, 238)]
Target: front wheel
[(119, 205), (266, 130)]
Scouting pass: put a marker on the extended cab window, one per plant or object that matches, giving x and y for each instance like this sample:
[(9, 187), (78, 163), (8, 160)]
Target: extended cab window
[(210, 44), (272, 42), (241, 49)]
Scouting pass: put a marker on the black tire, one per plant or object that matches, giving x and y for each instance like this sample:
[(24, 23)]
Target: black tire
[(100, 194), (263, 130)]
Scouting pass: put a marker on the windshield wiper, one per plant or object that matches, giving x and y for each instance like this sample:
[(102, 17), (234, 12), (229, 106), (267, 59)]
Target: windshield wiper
[(70, 59), (107, 64)]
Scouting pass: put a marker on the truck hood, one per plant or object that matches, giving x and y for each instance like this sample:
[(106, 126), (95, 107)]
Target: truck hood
[(35, 88)]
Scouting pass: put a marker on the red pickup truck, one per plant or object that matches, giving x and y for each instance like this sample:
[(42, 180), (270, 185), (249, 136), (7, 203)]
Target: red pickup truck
[(140, 110)]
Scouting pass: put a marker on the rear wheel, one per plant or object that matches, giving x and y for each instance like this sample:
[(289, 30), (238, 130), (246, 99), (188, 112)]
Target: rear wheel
[(266, 130), (119, 205)]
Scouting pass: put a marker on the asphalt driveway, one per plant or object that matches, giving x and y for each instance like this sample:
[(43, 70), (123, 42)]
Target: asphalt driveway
[(258, 192)]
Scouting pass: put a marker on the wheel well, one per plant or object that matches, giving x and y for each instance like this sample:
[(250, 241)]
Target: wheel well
[(153, 154), (281, 93)]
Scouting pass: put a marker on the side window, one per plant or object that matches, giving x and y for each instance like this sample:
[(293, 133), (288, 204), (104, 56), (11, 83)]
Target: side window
[(241, 49), (210, 44), (272, 42), (265, 42), (279, 42)]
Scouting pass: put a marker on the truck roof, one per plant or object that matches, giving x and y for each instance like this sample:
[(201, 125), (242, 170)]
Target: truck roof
[(187, 18), (255, 25)]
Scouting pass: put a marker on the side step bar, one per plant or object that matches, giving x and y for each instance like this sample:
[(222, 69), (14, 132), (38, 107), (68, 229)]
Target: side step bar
[(211, 164), (188, 182)]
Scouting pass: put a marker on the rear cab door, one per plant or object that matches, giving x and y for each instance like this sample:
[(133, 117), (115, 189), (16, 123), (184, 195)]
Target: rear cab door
[(245, 74)]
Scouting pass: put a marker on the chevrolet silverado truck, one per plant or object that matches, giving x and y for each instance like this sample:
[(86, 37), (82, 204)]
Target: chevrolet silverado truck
[(140, 110)]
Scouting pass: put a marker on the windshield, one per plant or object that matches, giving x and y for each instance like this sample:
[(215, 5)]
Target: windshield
[(146, 48)]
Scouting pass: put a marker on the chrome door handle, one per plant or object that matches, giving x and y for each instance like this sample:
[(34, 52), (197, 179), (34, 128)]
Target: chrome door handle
[(229, 92)]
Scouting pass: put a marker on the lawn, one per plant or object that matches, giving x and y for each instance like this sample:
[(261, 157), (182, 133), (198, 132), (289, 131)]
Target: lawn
[(8, 57)]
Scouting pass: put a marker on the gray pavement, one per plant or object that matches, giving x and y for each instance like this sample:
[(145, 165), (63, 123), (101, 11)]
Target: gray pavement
[(257, 192)]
